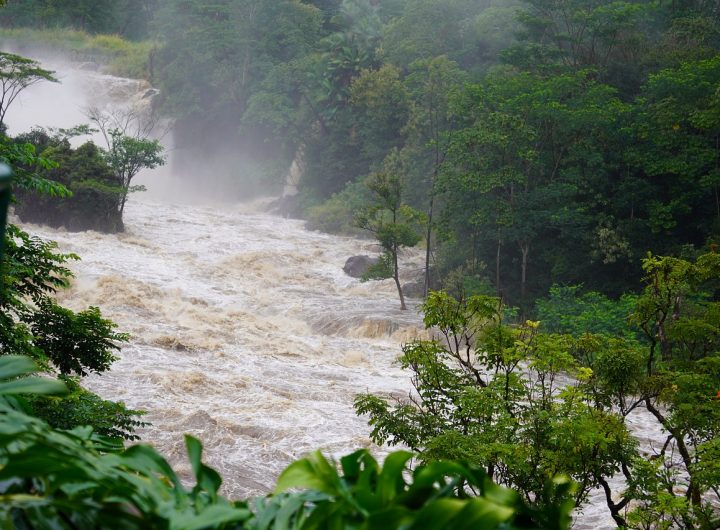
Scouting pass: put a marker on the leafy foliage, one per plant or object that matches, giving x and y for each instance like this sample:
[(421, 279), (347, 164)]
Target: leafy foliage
[(569, 310), (390, 220), (16, 74), (82, 407), (127, 155), (60, 478), (498, 396), (436, 497), (96, 191), (26, 163), (491, 394), (74, 478)]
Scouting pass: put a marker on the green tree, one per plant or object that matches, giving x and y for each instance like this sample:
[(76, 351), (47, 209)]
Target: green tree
[(127, 155), (390, 220), (677, 146), (381, 105), (603, 35), (430, 28), (681, 325), (570, 310), (128, 148), (429, 127), (16, 74), (494, 395), (491, 394), (525, 156)]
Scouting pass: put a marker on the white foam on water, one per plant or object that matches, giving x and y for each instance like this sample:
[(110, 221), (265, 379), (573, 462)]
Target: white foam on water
[(232, 316)]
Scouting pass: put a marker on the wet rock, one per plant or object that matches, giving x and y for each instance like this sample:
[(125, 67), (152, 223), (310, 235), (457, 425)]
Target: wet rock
[(414, 289), (150, 93), (199, 420), (356, 266)]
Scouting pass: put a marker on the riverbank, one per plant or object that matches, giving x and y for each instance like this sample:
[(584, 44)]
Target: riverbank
[(111, 53)]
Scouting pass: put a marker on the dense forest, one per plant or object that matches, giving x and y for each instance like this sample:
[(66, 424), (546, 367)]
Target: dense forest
[(560, 155), (558, 161), (543, 142)]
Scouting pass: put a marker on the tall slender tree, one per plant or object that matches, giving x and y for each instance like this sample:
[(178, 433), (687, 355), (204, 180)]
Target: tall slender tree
[(16, 74)]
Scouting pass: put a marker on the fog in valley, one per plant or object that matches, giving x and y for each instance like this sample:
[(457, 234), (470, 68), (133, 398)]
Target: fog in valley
[(484, 231)]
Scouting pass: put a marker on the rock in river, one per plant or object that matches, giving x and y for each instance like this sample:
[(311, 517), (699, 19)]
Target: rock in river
[(356, 266)]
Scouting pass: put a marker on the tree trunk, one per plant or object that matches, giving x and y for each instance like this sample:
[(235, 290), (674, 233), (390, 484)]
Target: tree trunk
[(525, 249), (427, 250), (615, 509), (693, 492), (717, 169), (396, 276), (497, 270), (122, 202)]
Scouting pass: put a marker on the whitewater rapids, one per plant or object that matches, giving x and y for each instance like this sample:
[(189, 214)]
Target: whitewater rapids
[(245, 331)]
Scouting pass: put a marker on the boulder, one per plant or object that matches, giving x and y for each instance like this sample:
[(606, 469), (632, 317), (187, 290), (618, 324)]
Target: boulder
[(356, 266), (150, 93)]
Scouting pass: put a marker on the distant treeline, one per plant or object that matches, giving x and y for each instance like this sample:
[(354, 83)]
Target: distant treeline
[(128, 18), (553, 141)]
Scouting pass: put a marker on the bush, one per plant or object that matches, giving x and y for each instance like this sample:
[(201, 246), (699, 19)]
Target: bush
[(337, 214), (568, 310), (95, 200)]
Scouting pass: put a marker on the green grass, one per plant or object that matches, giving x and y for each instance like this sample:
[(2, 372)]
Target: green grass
[(118, 56)]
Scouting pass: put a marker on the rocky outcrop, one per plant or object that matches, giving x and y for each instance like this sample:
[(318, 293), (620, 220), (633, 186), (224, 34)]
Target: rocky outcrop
[(356, 266), (289, 204)]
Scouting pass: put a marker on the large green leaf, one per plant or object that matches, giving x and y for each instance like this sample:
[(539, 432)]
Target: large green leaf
[(33, 385), (312, 472), (391, 482)]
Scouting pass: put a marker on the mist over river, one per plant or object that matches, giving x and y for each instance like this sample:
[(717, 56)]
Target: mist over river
[(245, 331)]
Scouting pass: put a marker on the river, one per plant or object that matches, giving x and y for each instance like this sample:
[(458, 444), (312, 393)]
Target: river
[(245, 331)]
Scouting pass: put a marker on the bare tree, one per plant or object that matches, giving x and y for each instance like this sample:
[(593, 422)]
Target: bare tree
[(129, 147), (132, 122)]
